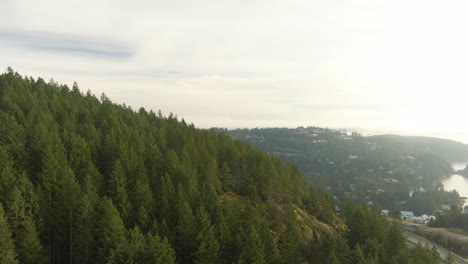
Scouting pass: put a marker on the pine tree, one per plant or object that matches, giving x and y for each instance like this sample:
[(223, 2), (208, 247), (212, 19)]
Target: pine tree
[(359, 257), (134, 249), (7, 246), (117, 191), (358, 228), (228, 224), (86, 223), (253, 251), (29, 246), (110, 233), (24, 231), (143, 198), (247, 185), (58, 193), (7, 174), (159, 251), (67, 198), (208, 244), (186, 231), (226, 178), (291, 247), (167, 199), (211, 172), (395, 244)]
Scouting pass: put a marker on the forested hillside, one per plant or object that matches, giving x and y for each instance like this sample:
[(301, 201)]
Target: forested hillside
[(449, 150), (379, 169), (84, 180)]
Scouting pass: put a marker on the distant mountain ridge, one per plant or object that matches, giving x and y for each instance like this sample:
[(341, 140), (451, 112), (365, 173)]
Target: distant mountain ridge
[(448, 149)]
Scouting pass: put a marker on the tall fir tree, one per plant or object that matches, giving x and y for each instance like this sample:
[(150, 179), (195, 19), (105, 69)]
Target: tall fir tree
[(7, 245), (87, 223), (111, 233), (253, 249), (117, 191), (159, 251), (208, 244), (28, 245)]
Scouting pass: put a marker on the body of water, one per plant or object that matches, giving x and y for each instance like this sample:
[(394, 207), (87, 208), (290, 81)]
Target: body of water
[(457, 182), (459, 165)]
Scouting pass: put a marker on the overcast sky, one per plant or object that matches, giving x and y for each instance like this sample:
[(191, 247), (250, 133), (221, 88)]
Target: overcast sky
[(375, 66)]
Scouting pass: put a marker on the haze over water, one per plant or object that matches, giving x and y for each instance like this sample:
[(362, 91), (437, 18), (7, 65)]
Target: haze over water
[(457, 182)]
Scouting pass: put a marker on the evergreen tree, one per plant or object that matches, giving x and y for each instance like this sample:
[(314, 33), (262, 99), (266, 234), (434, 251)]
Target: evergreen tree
[(67, 196), (226, 178), (7, 174), (143, 199), (291, 242), (87, 221), (395, 244), (134, 249), (253, 250), (167, 199), (208, 244), (58, 193), (358, 228), (159, 251), (359, 257), (111, 233), (117, 191), (7, 246), (24, 231), (228, 225), (186, 231)]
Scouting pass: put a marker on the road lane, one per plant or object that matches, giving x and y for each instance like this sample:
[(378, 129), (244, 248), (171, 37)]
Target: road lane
[(424, 228), (415, 239)]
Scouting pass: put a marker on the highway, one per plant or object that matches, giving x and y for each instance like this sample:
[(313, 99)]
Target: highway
[(415, 239), (424, 228)]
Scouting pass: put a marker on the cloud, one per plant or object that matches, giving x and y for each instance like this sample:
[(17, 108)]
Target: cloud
[(66, 44), (364, 63)]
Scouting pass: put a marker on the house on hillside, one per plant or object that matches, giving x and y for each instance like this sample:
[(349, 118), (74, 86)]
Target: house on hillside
[(407, 215), (465, 210)]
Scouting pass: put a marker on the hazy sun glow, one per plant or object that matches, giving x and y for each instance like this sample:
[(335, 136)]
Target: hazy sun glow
[(375, 66)]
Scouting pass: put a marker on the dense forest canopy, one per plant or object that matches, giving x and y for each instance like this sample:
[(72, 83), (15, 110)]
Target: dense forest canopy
[(85, 180)]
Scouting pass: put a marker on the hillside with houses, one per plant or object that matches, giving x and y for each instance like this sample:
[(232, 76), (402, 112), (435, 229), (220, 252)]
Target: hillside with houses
[(389, 170)]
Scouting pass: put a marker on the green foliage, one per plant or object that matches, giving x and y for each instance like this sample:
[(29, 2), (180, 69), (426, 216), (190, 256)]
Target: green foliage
[(253, 249), (111, 235), (24, 231), (423, 255), (382, 169), (84, 180), (7, 246), (208, 249), (159, 251), (451, 218), (395, 246)]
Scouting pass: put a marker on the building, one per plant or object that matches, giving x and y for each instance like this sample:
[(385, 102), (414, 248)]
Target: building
[(407, 214)]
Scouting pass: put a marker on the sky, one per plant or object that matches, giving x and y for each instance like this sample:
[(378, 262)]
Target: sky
[(371, 66)]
